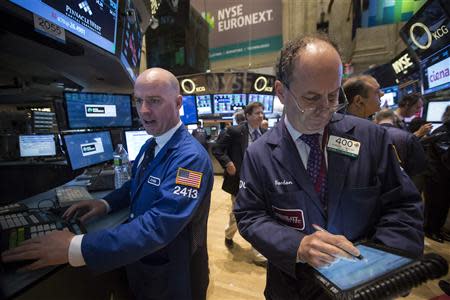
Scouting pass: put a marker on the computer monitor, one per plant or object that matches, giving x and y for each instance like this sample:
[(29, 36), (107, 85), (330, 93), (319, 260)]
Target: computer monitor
[(39, 145), (435, 110), (94, 21), (435, 70), (134, 140), (188, 110), (266, 100), (204, 105), (88, 149), (390, 97), (228, 103), (98, 110)]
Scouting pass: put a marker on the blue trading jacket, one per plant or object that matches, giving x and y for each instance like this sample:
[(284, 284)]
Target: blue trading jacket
[(166, 227)]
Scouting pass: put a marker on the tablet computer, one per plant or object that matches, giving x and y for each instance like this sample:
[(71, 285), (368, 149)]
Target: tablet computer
[(375, 273)]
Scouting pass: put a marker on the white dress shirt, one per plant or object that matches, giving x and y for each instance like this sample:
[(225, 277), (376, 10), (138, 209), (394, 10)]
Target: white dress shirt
[(75, 256)]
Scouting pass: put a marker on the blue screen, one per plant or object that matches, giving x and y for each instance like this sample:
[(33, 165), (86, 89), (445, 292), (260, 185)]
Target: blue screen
[(37, 145), (188, 110), (228, 103), (266, 100), (92, 20), (91, 110), (88, 149), (347, 274)]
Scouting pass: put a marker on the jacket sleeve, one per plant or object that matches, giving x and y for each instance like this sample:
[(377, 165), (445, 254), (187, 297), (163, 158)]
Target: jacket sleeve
[(222, 148), (157, 227), (416, 156), (120, 198), (401, 217), (276, 242)]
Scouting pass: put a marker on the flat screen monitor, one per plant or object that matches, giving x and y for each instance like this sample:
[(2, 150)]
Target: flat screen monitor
[(266, 100), (188, 110), (135, 139), (204, 105), (130, 54), (435, 110), (88, 149), (228, 103), (94, 110), (92, 20), (390, 97), (39, 145), (436, 71)]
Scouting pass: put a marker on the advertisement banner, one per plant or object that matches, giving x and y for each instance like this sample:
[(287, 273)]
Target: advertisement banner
[(241, 27)]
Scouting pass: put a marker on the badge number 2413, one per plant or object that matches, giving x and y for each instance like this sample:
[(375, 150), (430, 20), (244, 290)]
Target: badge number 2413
[(186, 192)]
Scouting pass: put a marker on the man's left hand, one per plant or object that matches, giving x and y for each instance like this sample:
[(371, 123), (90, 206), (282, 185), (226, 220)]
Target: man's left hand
[(50, 249)]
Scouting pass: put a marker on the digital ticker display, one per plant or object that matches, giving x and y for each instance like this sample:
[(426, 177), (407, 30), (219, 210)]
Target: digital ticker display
[(130, 55), (92, 20)]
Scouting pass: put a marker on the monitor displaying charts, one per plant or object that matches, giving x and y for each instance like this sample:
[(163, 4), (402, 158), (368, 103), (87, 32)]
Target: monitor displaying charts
[(228, 103), (266, 100), (39, 145), (204, 105)]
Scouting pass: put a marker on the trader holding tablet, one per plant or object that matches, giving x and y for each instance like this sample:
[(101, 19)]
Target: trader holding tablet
[(325, 168)]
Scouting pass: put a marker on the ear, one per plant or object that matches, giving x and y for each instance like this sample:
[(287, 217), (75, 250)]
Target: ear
[(279, 91), (179, 101), (358, 101)]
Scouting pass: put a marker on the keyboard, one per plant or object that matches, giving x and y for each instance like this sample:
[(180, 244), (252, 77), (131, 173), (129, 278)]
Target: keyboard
[(72, 194), (29, 225), (13, 208)]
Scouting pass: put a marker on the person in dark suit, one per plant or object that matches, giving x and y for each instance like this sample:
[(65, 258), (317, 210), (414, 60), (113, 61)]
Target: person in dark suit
[(200, 135), (408, 148), (163, 243), (229, 151), (317, 167)]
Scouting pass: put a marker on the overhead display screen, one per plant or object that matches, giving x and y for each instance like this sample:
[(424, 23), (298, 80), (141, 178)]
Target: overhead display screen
[(390, 97), (266, 100), (93, 110), (92, 20), (130, 54), (204, 106), (228, 103), (188, 110), (436, 71)]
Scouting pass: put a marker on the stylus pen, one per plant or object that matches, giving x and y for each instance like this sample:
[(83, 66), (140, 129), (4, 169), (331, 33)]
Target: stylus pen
[(318, 228)]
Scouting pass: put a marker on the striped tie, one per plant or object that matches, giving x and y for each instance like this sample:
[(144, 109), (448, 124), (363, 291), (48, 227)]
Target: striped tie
[(316, 166)]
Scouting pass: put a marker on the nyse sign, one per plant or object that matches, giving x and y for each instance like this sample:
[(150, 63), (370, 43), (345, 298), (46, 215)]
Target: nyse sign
[(402, 64), (437, 34)]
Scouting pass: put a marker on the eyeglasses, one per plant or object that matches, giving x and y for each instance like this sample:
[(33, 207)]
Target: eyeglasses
[(317, 109)]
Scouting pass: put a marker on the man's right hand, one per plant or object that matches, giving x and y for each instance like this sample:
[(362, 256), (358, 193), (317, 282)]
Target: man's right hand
[(86, 210), (323, 248), (231, 169)]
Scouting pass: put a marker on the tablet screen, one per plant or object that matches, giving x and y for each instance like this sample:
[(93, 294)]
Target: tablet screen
[(346, 274)]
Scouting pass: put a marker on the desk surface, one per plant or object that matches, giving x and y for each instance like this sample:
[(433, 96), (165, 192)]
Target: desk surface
[(13, 283)]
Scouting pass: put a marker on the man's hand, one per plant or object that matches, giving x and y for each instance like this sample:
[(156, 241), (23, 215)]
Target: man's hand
[(231, 169), (322, 248), (86, 209), (48, 250), (423, 130)]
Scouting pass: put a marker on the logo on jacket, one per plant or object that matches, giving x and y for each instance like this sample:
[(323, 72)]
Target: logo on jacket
[(291, 217)]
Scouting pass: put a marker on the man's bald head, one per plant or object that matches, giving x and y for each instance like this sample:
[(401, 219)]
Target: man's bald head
[(158, 75)]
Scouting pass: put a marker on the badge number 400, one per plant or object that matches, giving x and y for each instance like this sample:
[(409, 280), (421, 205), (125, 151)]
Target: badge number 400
[(186, 192)]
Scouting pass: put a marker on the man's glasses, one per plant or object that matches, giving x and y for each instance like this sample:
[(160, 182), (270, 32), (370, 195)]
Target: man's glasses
[(340, 107)]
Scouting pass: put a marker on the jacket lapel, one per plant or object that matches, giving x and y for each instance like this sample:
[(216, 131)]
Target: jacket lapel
[(284, 152), (171, 144), (244, 139)]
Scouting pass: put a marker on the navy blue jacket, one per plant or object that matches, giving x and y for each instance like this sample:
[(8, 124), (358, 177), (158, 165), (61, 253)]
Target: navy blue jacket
[(164, 240), (369, 197), (410, 151)]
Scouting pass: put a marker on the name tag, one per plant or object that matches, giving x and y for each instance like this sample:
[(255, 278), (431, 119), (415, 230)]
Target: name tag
[(154, 180), (344, 146)]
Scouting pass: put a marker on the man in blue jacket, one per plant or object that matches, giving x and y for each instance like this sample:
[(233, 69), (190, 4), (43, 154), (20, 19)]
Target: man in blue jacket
[(163, 243), (320, 167)]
